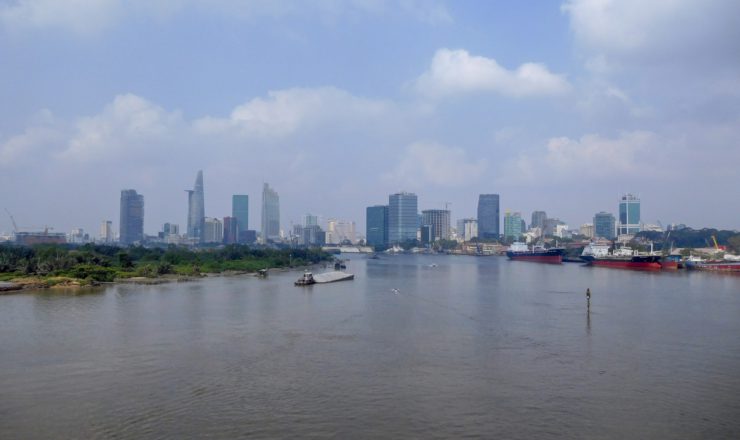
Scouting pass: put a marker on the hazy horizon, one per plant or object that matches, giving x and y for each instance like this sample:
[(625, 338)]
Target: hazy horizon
[(556, 106)]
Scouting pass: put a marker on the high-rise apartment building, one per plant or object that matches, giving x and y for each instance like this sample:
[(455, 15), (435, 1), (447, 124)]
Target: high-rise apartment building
[(403, 217), (439, 220), (270, 214), (629, 215), (604, 225), (213, 230), (538, 219), (376, 224), (240, 211), (106, 231), (132, 217), (488, 216), (340, 231), (467, 229), (587, 230), (313, 235), (196, 209), (512, 225)]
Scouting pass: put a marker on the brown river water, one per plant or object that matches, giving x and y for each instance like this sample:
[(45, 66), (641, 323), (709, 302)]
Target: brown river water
[(464, 347)]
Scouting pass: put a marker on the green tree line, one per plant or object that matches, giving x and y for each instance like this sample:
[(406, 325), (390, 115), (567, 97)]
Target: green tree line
[(695, 238), (105, 263)]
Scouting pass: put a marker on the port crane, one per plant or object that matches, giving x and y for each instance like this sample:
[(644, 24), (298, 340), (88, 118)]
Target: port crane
[(15, 226)]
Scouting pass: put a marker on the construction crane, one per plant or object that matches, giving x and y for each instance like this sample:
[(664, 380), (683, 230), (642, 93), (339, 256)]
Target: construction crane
[(15, 226), (714, 239), (447, 205)]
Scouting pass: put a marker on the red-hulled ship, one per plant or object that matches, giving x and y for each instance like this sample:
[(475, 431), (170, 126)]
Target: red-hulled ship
[(715, 265), (622, 258), (538, 254), (670, 262)]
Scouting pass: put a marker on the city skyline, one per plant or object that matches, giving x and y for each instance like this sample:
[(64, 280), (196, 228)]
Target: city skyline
[(563, 121)]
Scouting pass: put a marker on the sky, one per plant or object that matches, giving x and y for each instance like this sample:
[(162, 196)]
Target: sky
[(556, 106)]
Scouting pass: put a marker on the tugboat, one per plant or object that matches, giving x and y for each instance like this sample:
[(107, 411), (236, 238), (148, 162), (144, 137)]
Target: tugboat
[(306, 280), (519, 251)]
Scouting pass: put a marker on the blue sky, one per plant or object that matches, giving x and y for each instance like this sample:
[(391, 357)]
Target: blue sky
[(557, 106)]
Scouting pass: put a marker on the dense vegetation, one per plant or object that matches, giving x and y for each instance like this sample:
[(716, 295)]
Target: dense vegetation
[(105, 263), (695, 238)]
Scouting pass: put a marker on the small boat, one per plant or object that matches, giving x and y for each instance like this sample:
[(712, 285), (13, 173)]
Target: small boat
[(262, 273), (339, 264)]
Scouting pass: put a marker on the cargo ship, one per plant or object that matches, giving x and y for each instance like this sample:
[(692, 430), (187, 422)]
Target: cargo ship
[(622, 258), (714, 265), (519, 251)]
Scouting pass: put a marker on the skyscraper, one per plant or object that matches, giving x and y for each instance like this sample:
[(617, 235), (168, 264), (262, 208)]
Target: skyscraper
[(604, 225), (196, 209), (132, 217), (538, 219), (231, 230), (439, 220), (240, 211), (106, 231), (376, 223), (403, 217), (629, 215), (270, 214), (512, 225), (310, 220), (488, 216)]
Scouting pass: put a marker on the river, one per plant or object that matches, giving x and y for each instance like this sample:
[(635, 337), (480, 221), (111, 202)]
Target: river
[(414, 347)]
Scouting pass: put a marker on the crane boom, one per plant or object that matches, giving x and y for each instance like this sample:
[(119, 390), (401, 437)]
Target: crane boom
[(15, 226)]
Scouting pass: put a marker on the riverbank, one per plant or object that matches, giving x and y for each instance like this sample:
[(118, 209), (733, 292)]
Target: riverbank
[(21, 284), (48, 266)]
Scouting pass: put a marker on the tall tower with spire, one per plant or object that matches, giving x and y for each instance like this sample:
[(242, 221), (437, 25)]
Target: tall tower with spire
[(196, 209)]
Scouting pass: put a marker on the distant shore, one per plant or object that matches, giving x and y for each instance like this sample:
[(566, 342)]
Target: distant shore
[(21, 284)]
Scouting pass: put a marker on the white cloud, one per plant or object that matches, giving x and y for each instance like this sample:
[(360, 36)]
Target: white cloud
[(79, 16), (588, 159), (128, 124), (457, 72), (656, 31), (424, 163), (284, 112), (92, 16), (17, 149)]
